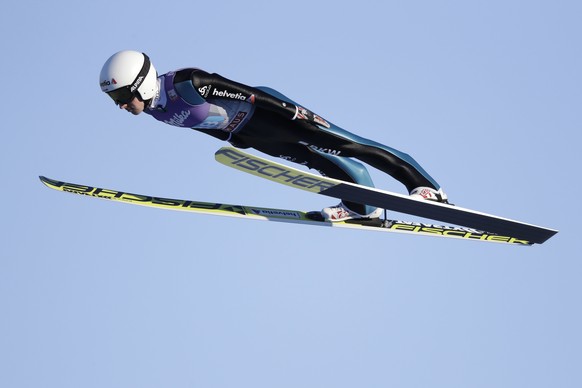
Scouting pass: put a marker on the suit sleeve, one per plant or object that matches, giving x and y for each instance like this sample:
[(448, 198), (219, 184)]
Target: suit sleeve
[(215, 86)]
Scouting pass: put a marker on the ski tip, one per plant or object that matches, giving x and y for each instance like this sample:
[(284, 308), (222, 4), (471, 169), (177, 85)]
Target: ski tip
[(47, 181), (44, 179)]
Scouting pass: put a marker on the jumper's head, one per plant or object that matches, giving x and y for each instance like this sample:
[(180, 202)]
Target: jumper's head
[(127, 75)]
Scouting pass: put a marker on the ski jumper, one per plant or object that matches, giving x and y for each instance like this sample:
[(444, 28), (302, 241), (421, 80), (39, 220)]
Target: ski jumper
[(266, 120)]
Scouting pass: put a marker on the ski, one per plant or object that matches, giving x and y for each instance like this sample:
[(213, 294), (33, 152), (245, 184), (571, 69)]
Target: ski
[(282, 215), (289, 176)]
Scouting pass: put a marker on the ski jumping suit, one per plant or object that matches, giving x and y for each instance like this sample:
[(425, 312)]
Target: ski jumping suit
[(267, 121)]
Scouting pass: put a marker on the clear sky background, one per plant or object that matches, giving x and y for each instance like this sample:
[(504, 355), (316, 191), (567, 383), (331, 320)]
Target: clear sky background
[(486, 95)]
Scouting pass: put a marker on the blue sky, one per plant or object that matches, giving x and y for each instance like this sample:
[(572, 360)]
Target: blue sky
[(485, 95)]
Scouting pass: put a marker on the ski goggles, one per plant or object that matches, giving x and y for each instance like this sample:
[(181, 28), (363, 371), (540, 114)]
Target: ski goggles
[(122, 95)]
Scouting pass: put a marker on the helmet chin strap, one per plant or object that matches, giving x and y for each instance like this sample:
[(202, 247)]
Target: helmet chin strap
[(155, 99)]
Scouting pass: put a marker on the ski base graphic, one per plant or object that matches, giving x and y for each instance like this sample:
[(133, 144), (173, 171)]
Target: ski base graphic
[(283, 215), (449, 214)]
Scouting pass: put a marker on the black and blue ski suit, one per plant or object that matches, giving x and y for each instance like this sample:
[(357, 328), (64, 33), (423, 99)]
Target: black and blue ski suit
[(268, 121)]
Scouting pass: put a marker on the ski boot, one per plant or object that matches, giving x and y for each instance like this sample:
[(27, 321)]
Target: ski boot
[(429, 194), (342, 213)]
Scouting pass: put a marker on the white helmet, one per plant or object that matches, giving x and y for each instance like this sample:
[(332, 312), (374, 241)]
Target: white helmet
[(128, 74)]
